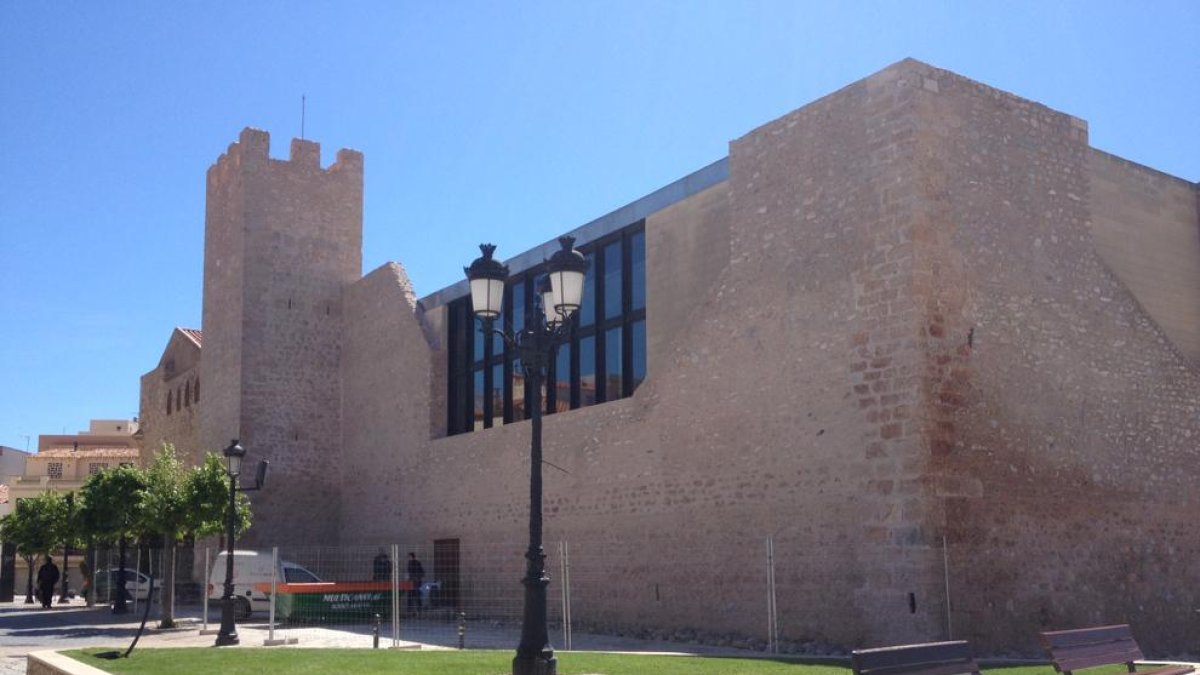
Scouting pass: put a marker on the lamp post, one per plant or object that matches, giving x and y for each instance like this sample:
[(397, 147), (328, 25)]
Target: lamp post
[(536, 344), (228, 633)]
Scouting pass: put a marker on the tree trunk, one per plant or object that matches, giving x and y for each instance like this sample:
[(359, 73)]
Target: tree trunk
[(167, 601), (88, 572), (119, 606), (29, 581)]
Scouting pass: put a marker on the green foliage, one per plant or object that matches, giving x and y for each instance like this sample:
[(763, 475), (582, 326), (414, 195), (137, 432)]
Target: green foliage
[(36, 523), (206, 492), (114, 504), (166, 505)]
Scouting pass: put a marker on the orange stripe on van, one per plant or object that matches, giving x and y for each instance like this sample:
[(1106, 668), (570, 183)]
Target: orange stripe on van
[(335, 587)]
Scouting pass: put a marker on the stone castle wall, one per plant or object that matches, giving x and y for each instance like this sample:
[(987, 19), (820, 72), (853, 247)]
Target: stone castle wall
[(178, 372), (1060, 420), (283, 239), (908, 339)]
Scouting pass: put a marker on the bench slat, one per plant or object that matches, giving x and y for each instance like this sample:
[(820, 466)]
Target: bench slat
[(1100, 658), (1076, 649), (938, 658), (1058, 639)]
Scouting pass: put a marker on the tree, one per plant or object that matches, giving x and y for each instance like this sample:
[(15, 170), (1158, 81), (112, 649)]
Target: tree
[(207, 491), (113, 506), (180, 503), (167, 513), (66, 533), (32, 528), (14, 529)]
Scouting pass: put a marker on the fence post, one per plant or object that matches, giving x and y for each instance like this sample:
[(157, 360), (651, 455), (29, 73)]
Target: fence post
[(204, 629), (564, 563), (274, 590), (946, 571), (395, 595), (772, 608)]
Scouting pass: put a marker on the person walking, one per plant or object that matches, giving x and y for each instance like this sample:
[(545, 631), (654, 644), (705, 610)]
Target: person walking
[(382, 567), (416, 574), (47, 577)]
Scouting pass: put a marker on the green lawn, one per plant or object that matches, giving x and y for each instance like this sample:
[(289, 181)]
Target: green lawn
[(256, 661), (208, 661)]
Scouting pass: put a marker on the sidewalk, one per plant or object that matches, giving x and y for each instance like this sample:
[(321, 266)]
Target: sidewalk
[(29, 628)]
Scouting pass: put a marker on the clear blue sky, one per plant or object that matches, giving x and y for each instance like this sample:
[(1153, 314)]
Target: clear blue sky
[(480, 121)]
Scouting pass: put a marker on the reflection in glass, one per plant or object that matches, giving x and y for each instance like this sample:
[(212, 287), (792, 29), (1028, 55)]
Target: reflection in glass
[(612, 280), (612, 364), (480, 392), (639, 353), (497, 394), (518, 305), (478, 348), (637, 273), (518, 390), (562, 379), (587, 310), (587, 371), (497, 346)]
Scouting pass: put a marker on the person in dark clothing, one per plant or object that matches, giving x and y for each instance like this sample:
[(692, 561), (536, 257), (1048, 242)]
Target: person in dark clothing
[(47, 577), (382, 567), (416, 574)]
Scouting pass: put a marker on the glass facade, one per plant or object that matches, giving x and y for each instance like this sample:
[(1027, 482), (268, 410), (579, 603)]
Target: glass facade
[(605, 359)]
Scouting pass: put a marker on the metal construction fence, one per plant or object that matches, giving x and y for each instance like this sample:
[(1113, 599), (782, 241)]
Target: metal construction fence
[(612, 594), (763, 593), (474, 597)]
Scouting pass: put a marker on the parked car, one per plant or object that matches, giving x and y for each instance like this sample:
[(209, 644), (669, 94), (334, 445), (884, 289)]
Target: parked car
[(137, 585)]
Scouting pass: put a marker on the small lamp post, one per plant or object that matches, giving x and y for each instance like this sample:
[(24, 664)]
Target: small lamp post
[(537, 343), (228, 633)]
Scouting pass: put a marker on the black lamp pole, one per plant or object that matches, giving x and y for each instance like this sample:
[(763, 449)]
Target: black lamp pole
[(536, 344), (228, 633)]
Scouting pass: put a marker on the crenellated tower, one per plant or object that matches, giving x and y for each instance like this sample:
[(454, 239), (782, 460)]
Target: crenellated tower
[(282, 239)]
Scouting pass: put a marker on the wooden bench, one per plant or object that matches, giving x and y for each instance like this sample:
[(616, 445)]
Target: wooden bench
[(1071, 650), (934, 658)]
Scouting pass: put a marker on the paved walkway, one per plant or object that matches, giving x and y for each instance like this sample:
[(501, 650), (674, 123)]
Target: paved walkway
[(26, 628)]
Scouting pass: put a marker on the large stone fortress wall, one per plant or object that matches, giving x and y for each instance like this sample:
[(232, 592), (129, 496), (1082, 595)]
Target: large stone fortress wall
[(920, 334), (1050, 388), (905, 338), (282, 240)]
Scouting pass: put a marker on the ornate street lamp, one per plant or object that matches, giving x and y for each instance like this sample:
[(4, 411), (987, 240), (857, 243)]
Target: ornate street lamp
[(228, 633), (537, 343)]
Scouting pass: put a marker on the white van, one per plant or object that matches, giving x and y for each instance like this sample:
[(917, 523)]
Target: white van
[(251, 575)]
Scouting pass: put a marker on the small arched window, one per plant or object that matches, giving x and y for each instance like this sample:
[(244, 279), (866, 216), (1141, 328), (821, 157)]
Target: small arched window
[(187, 394), (196, 393), (168, 401)]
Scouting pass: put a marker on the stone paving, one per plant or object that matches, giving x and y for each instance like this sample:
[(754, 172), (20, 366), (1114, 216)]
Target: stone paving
[(27, 628)]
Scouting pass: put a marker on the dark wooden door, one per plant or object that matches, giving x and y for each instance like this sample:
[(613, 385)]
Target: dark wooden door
[(445, 571)]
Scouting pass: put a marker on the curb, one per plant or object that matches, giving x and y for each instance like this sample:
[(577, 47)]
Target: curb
[(52, 663)]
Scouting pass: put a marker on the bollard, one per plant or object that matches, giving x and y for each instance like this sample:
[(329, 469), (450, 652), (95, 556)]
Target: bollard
[(462, 630), (375, 632)]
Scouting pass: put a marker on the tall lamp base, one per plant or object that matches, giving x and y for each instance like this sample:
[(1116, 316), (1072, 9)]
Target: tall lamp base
[(537, 665)]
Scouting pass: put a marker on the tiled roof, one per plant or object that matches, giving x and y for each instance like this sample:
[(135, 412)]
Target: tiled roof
[(193, 333), (88, 453)]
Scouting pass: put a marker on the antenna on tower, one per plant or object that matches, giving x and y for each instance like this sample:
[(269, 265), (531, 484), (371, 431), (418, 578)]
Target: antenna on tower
[(302, 101)]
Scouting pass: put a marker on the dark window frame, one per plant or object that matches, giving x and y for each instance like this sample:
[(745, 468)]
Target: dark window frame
[(463, 366)]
